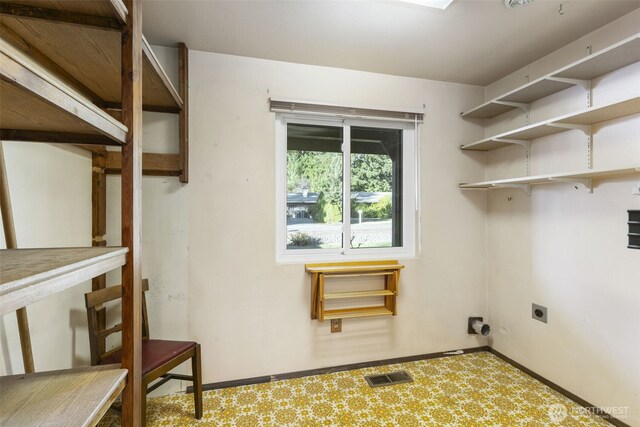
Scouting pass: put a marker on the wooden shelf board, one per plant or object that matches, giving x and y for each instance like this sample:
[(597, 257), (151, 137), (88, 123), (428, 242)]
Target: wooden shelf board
[(105, 8), (27, 87), (29, 275), (92, 57), (347, 313), (78, 397), (354, 267), (549, 178), (621, 54), (358, 294), (587, 116)]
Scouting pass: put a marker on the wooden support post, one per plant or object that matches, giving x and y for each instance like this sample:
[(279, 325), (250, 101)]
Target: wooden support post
[(99, 224), (10, 239), (131, 80), (183, 63)]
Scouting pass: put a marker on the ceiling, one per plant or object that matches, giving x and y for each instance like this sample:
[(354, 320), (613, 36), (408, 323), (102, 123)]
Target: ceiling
[(473, 41)]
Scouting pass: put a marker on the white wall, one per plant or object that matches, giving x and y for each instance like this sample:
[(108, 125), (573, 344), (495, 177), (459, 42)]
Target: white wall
[(565, 248), (250, 314)]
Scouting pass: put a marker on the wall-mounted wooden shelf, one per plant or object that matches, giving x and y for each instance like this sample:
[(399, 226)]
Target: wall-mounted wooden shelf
[(72, 397), (586, 117), (29, 275), (579, 177), (619, 55), (389, 269)]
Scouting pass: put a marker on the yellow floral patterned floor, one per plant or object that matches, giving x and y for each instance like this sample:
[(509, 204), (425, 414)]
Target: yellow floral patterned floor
[(476, 389)]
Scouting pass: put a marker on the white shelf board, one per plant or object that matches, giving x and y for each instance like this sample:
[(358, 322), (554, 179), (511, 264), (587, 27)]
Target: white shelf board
[(550, 178), (619, 55), (588, 116), (29, 275), (72, 397)]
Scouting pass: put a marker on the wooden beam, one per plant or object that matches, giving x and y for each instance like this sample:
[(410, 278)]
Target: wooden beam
[(99, 223), (33, 12), (145, 107), (12, 243), (131, 76), (183, 132), (153, 164), (54, 137), (119, 9)]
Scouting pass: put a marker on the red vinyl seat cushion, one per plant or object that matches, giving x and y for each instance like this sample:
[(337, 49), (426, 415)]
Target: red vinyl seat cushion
[(155, 353)]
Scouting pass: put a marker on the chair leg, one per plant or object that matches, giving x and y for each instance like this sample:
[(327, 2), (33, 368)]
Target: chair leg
[(143, 405), (196, 370)]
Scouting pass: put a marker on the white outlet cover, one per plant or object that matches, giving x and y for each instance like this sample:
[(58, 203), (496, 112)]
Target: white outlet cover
[(636, 190)]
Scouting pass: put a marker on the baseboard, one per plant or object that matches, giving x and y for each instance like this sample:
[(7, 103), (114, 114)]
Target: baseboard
[(580, 401), (321, 371), (299, 374)]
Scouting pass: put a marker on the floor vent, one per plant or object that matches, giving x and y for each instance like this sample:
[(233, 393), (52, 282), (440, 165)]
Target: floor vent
[(392, 378)]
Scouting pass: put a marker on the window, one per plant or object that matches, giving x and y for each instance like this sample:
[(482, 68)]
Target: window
[(345, 189)]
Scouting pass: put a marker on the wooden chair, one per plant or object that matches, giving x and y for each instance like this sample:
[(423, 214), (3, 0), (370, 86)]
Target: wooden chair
[(158, 356)]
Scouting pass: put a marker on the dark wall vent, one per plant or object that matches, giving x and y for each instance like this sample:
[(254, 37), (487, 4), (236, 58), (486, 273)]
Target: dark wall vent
[(634, 229), (388, 379)]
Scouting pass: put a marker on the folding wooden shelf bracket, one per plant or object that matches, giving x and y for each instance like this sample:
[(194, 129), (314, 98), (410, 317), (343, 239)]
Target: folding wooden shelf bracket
[(389, 269)]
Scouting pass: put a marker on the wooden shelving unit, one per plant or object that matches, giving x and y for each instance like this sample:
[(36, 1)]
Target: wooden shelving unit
[(578, 120), (72, 397), (81, 72), (621, 54), (389, 269)]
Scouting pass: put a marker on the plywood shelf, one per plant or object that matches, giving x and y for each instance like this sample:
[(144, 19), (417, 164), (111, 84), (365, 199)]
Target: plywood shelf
[(29, 275), (578, 176), (87, 54), (587, 117), (348, 313), (73, 397), (33, 99), (619, 55)]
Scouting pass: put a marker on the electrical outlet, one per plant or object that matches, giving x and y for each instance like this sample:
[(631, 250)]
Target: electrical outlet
[(336, 325), (539, 312)]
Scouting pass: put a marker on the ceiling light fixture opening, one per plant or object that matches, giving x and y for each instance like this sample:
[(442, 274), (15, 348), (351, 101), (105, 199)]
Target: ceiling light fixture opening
[(512, 4), (438, 4)]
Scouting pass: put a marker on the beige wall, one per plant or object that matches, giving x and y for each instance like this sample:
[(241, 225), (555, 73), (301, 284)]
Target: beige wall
[(51, 196), (252, 315), (566, 249)]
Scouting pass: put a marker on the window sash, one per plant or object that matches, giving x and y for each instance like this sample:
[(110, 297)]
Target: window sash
[(409, 202)]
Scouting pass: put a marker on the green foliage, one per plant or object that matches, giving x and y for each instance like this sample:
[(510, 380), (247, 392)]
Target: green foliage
[(371, 172), (380, 210), (321, 172), (323, 211), (303, 240)]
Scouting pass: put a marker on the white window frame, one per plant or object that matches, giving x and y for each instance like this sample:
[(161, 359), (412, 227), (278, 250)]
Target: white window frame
[(410, 192)]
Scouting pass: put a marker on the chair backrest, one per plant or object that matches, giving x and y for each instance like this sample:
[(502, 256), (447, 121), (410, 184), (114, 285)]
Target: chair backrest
[(96, 311)]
